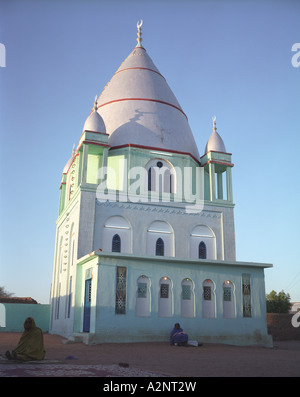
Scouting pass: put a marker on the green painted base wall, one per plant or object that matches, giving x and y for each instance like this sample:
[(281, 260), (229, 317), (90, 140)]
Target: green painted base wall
[(15, 314)]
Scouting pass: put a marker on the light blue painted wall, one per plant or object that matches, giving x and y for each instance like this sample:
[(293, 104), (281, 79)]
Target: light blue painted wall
[(106, 326), (110, 327), (16, 313)]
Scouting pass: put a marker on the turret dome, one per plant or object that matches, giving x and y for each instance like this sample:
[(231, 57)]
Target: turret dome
[(94, 122), (215, 142)]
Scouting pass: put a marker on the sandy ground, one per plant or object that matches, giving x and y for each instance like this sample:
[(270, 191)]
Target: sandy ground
[(283, 360)]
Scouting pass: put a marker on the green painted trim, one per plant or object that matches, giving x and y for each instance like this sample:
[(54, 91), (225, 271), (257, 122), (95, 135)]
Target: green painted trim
[(87, 258)]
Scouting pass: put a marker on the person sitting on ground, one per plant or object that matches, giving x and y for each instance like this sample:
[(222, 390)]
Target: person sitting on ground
[(31, 344), (177, 336)]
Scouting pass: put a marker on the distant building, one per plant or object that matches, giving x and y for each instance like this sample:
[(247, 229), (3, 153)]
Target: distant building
[(27, 300), (295, 307), (149, 239)]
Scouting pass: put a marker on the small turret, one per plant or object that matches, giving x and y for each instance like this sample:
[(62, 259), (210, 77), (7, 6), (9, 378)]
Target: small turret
[(94, 122), (217, 165)]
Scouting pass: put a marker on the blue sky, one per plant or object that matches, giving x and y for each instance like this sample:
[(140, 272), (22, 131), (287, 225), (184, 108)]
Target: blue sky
[(231, 59)]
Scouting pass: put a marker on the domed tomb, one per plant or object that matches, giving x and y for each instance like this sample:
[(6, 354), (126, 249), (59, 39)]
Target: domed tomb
[(139, 108)]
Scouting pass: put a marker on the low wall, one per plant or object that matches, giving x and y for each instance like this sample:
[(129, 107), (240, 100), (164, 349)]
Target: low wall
[(281, 328), (13, 315)]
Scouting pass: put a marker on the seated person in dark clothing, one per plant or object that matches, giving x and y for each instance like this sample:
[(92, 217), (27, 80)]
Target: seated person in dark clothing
[(31, 344), (177, 336)]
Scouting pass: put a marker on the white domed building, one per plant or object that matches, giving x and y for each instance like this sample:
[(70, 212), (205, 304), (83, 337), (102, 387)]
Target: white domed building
[(145, 235)]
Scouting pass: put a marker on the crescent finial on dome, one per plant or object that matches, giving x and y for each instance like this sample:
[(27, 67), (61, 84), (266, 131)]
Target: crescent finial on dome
[(139, 33)]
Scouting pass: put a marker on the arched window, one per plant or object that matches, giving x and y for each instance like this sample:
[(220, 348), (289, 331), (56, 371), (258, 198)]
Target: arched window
[(143, 297), (203, 243), (116, 236), (228, 300), (159, 247), (116, 243), (187, 298), (202, 250), (208, 299), (165, 299), (161, 176), (160, 239)]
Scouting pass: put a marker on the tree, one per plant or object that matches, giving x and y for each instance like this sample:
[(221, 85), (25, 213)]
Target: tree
[(278, 303), (5, 294)]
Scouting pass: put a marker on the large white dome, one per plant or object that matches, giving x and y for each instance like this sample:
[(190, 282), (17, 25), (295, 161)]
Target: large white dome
[(139, 108)]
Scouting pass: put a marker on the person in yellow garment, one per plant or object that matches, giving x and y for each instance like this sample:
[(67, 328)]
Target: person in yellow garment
[(31, 344)]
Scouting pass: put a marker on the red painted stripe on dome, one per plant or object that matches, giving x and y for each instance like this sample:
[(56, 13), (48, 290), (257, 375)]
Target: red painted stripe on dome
[(138, 48), (143, 99), (137, 67)]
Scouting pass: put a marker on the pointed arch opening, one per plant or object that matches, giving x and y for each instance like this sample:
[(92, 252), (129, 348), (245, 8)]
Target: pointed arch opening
[(187, 298), (165, 300), (160, 239), (161, 176), (160, 247), (143, 297), (208, 299), (203, 243), (202, 250), (228, 299), (116, 235), (116, 243)]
